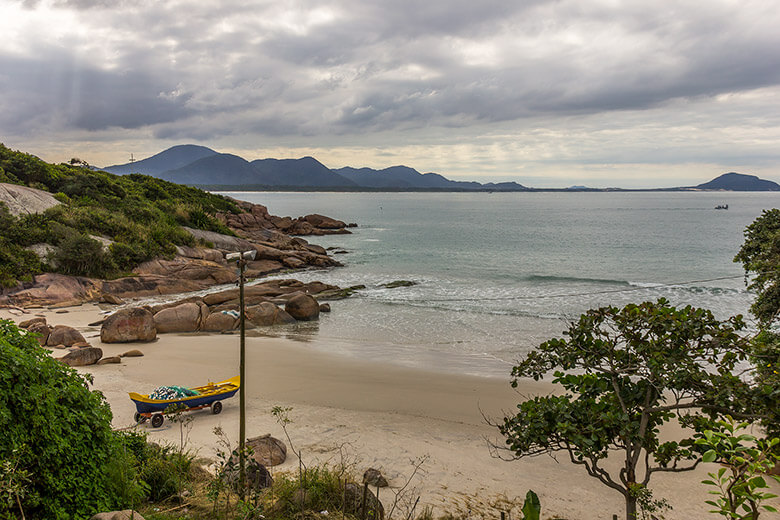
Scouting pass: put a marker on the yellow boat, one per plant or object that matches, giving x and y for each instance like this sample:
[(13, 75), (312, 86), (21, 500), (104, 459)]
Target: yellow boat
[(209, 395)]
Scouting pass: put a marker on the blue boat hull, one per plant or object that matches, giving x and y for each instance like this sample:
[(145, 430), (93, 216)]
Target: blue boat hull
[(189, 402)]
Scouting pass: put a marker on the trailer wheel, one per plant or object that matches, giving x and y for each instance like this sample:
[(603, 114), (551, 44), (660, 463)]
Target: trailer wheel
[(157, 420), (216, 407), (138, 418)]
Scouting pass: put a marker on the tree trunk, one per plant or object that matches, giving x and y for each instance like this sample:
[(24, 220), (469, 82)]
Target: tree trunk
[(631, 507)]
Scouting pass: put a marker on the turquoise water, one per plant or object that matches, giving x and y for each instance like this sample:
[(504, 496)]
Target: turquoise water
[(499, 273)]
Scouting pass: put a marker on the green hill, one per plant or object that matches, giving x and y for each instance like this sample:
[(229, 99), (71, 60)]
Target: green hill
[(739, 182), (142, 216)]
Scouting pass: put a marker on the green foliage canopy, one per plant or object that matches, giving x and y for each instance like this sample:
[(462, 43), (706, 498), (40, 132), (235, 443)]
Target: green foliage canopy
[(626, 372), (55, 427), (760, 256)]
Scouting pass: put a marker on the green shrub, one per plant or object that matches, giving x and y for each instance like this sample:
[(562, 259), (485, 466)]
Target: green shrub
[(165, 469), (58, 429), (322, 487), (79, 254)]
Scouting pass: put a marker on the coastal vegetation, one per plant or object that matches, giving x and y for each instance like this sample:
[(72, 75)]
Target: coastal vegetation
[(626, 372), (105, 225)]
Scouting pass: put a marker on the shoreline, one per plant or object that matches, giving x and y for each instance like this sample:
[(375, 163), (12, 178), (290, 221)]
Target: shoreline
[(382, 415)]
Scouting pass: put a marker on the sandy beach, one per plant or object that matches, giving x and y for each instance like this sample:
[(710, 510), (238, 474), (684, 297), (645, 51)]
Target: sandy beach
[(384, 416)]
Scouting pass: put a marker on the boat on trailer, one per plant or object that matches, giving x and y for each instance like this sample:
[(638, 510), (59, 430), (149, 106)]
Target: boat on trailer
[(210, 395)]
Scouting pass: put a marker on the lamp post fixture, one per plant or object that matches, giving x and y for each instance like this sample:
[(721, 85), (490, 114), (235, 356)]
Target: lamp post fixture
[(241, 260)]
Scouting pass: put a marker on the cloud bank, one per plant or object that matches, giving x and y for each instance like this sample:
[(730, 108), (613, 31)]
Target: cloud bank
[(597, 91)]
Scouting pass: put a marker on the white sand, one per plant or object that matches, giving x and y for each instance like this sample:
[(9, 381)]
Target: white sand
[(385, 416)]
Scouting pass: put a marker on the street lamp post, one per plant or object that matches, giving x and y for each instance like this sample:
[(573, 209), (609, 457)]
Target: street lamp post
[(241, 260)]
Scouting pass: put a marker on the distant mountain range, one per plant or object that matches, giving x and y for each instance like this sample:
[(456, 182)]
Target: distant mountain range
[(206, 168)]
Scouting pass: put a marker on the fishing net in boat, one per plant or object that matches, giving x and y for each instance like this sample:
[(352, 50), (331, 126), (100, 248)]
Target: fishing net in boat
[(172, 392)]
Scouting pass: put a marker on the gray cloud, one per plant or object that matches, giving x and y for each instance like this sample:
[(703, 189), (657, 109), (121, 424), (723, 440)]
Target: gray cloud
[(179, 70)]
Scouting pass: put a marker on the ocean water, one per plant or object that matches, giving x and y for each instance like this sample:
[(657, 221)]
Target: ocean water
[(497, 274)]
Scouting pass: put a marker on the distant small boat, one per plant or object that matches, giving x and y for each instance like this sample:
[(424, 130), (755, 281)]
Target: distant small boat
[(722, 206)]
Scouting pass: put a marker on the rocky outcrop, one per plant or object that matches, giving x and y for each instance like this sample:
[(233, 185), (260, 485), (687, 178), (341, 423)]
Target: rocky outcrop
[(126, 325), (82, 356), (323, 222), (258, 224), (220, 241), (398, 283), (21, 200), (303, 307), (201, 253), (51, 288), (219, 311), (180, 268), (194, 268)]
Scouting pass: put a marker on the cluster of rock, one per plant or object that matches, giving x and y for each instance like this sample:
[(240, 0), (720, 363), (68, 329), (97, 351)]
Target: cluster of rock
[(80, 352), (219, 311), (257, 219), (195, 268)]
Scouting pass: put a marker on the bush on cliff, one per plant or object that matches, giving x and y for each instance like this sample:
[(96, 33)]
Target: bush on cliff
[(142, 215), (56, 436)]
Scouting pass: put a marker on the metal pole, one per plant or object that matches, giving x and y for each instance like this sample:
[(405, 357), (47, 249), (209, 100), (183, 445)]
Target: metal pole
[(242, 388)]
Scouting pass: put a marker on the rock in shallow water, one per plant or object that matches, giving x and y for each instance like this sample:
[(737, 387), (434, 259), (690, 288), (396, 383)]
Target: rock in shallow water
[(303, 307)]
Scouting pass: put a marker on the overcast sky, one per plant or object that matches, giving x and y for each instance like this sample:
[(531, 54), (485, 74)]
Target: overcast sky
[(547, 93)]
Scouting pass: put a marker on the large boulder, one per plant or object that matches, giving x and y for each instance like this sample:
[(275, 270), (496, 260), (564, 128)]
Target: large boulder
[(303, 307), (266, 313), (219, 321), (21, 200), (374, 477), (323, 222), (32, 321), (267, 450), (293, 262), (257, 476), (64, 335), (42, 329), (126, 325), (354, 500), (112, 299), (181, 318), (82, 356)]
